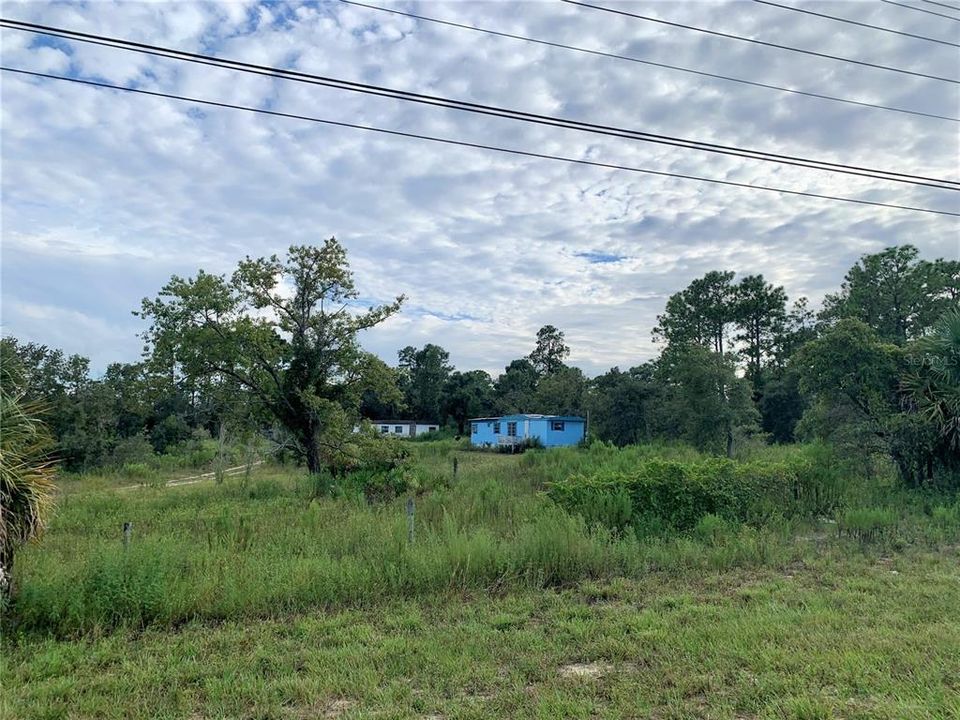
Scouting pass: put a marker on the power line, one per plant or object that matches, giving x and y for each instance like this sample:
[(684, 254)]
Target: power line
[(494, 111), (764, 43), (478, 146), (913, 7), (856, 22), (946, 5), (629, 58)]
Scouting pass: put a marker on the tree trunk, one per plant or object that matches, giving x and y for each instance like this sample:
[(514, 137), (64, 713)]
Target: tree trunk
[(312, 449), (221, 446)]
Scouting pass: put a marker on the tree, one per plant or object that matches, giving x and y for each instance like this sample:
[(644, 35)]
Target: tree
[(551, 351), (424, 373), (932, 385), (26, 469), (895, 293), (798, 329), (781, 406), (701, 314), (562, 392), (849, 377), (467, 395), (621, 405), (514, 389), (711, 406), (760, 316), (286, 331)]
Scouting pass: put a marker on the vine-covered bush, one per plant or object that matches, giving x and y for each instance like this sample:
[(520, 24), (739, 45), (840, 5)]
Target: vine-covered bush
[(676, 494)]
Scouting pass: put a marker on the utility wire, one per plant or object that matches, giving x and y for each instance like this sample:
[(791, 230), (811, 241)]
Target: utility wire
[(914, 7), (946, 5), (629, 58), (479, 146), (448, 103), (764, 43), (856, 22)]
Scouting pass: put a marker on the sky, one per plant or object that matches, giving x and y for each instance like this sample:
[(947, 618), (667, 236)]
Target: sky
[(107, 194)]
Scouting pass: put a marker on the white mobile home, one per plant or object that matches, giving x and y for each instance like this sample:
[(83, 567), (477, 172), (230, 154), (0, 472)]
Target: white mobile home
[(404, 428)]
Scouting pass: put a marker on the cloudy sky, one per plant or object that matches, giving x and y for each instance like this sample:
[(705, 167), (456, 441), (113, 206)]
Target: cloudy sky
[(106, 194)]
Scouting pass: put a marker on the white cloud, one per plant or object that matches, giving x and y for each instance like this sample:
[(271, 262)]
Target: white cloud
[(106, 194)]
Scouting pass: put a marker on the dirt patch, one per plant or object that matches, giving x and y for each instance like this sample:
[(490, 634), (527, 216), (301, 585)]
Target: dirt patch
[(585, 670), (336, 708)]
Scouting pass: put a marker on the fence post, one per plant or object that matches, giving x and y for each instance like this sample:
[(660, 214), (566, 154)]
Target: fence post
[(410, 519), (455, 465), (127, 532)]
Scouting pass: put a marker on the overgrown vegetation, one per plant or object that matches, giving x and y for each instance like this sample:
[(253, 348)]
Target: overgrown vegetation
[(274, 544), (184, 501)]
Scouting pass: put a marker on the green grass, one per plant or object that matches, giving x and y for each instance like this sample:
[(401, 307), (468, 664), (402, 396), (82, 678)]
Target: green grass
[(252, 598), (864, 637)]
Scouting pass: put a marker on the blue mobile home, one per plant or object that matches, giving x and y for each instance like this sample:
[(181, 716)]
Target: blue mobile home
[(551, 430)]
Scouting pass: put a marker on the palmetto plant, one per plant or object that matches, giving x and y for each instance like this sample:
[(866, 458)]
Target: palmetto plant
[(26, 474), (934, 383)]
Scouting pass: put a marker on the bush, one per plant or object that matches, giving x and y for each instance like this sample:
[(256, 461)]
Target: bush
[(132, 450), (679, 494)]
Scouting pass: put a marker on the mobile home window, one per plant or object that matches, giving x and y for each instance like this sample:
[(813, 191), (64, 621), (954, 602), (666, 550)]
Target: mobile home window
[(384, 429), (558, 425), (398, 429), (496, 428), (474, 429), (512, 429), (432, 428)]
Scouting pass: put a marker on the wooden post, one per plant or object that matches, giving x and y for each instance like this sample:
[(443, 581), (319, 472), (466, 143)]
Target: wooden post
[(455, 464), (127, 532), (410, 509)]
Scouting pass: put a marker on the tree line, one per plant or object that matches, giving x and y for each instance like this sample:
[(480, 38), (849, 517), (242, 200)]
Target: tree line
[(274, 349)]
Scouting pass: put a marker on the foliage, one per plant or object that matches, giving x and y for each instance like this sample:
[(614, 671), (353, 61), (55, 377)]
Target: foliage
[(760, 317), (896, 293), (423, 377), (708, 405), (624, 406), (933, 382), (26, 473), (678, 495), (563, 392), (296, 352), (250, 549), (468, 395), (550, 352), (700, 314), (514, 389)]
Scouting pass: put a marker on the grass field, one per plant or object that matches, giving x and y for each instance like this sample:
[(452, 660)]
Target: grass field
[(255, 599)]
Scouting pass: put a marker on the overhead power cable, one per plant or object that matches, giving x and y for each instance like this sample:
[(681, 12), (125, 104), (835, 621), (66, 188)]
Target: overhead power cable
[(630, 58), (858, 23), (491, 110), (764, 43), (923, 10), (946, 5), (478, 146)]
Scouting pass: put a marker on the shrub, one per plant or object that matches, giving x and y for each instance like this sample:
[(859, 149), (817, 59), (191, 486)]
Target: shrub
[(679, 494), (132, 450)]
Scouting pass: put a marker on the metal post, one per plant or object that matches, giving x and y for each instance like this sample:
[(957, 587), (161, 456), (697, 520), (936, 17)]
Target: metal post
[(410, 510), (127, 532)]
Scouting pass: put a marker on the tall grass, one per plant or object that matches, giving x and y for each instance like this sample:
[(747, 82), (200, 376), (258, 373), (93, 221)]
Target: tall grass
[(268, 547)]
